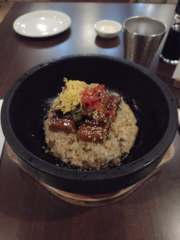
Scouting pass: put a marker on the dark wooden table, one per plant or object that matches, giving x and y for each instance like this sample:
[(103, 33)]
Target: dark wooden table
[(27, 211)]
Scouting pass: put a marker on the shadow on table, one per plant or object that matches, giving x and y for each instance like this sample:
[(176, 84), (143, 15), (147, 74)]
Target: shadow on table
[(44, 42), (107, 43)]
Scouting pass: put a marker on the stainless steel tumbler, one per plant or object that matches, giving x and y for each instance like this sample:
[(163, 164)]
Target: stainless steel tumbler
[(142, 37)]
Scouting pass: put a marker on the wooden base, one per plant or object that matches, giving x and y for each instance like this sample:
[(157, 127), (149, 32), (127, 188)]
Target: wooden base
[(92, 200)]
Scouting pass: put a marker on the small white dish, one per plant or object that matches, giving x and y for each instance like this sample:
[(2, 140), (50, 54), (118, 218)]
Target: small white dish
[(40, 24), (107, 28)]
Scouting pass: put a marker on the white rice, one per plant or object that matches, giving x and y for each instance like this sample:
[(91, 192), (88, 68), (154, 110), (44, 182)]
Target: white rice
[(70, 149)]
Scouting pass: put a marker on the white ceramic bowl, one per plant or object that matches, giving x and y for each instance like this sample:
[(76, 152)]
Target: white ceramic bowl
[(107, 28)]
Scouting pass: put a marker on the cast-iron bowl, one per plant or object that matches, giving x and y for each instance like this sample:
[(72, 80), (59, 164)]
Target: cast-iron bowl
[(25, 106)]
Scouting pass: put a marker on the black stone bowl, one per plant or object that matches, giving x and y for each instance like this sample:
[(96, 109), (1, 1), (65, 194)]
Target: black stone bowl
[(26, 104)]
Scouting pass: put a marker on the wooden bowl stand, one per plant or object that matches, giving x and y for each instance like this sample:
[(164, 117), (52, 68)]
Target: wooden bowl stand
[(92, 200)]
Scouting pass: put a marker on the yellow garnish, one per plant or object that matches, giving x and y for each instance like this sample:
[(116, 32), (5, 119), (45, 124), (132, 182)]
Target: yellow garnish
[(70, 97)]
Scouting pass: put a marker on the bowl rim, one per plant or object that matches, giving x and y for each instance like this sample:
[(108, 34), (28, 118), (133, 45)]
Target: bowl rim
[(104, 33), (92, 175)]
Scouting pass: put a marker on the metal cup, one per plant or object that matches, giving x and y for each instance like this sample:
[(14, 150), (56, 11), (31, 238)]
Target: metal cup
[(142, 37)]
